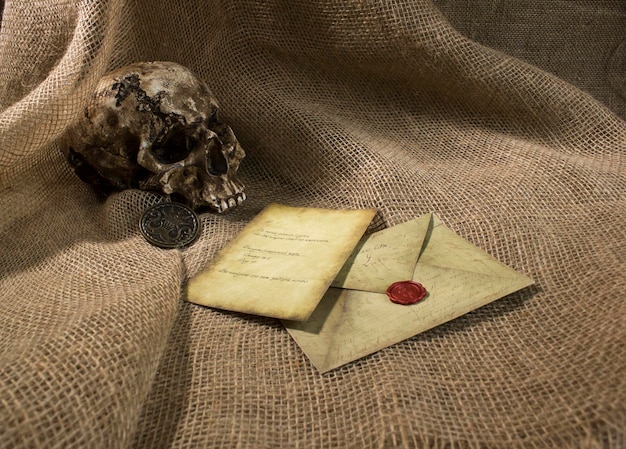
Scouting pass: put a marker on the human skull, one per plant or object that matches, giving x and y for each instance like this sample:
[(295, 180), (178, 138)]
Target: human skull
[(154, 126)]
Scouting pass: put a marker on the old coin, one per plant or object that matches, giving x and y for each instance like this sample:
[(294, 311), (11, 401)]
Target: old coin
[(406, 292), (170, 225)]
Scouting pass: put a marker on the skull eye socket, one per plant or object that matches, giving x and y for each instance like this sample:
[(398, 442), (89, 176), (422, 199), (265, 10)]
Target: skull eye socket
[(213, 118), (174, 148), (217, 164)]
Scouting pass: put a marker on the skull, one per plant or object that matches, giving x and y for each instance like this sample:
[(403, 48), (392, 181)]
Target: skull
[(155, 126)]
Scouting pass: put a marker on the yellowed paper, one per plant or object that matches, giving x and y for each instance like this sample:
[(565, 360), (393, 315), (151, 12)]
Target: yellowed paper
[(282, 263), (350, 324)]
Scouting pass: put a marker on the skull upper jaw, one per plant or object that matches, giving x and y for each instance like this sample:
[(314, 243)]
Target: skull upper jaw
[(200, 189)]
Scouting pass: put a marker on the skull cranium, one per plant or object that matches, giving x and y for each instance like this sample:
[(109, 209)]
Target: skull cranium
[(154, 126)]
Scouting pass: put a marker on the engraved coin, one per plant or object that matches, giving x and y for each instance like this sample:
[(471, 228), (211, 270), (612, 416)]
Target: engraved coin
[(406, 292), (170, 225)]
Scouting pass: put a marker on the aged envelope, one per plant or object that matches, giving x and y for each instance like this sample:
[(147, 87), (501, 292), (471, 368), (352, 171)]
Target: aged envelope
[(282, 263), (349, 324)]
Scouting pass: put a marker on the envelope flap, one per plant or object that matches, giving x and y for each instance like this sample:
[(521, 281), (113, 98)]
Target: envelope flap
[(453, 253), (384, 257)]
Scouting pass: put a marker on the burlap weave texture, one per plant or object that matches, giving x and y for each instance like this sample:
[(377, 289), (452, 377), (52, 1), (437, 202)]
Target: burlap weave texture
[(345, 104)]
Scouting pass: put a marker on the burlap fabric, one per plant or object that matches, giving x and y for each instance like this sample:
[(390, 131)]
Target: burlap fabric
[(342, 104)]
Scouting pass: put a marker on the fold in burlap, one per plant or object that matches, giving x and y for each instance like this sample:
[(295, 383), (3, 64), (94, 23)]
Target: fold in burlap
[(342, 104)]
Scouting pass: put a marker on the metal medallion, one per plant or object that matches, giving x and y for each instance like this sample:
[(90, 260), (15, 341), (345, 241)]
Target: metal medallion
[(170, 225)]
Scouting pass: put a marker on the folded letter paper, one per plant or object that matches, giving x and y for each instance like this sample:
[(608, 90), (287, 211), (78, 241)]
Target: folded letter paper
[(282, 263)]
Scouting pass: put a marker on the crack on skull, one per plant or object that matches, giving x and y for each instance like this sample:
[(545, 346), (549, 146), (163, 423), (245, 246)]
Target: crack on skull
[(125, 87), (131, 84)]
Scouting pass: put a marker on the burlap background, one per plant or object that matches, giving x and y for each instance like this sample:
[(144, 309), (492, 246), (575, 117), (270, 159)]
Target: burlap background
[(351, 103)]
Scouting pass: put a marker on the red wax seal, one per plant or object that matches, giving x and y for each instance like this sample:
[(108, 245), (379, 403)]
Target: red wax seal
[(406, 292)]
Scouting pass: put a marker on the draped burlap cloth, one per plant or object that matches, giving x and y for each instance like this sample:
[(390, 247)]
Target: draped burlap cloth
[(341, 104)]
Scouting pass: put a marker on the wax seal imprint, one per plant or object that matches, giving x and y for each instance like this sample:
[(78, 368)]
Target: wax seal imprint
[(406, 292), (170, 225)]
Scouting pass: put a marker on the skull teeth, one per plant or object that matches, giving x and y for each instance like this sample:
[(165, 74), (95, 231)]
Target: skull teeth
[(229, 203)]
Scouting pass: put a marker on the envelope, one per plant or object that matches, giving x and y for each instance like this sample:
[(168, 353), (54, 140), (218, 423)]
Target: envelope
[(358, 319)]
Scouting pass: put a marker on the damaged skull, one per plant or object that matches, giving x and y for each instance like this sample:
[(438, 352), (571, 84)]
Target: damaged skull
[(155, 126)]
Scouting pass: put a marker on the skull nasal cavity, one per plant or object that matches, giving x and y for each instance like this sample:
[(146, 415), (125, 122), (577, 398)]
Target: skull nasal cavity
[(216, 163), (174, 148)]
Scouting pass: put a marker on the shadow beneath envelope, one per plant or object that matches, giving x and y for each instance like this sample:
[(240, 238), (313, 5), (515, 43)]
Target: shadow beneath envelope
[(320, 315)]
